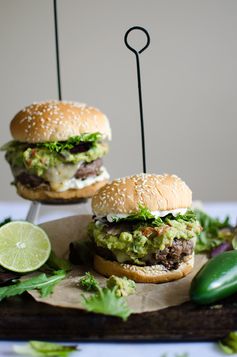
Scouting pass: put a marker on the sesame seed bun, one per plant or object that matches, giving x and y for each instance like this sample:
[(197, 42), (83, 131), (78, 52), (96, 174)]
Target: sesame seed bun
[(155, 192), (146, 274), (45, 195), (57, 121)]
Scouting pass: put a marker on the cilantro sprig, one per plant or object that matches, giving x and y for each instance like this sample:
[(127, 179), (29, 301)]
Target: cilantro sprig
[(106, 302), (88, 282)]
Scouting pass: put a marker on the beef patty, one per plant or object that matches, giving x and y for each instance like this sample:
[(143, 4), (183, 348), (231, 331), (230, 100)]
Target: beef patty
[(29, 180), (85, 170), (91, 169), (170, 257)]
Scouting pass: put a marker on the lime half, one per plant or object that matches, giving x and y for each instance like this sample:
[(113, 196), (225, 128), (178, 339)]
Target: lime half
[(24, 247)]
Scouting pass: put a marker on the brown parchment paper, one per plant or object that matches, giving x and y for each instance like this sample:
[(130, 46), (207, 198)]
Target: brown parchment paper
[(148, 297)]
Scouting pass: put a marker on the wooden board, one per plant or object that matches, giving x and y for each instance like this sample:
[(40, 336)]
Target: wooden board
[(23, 318)]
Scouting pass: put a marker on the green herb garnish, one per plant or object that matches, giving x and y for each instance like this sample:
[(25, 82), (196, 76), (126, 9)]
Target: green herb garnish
[(106, 302), (59, 146), (40, 348), (229, 344), (213, 233), (43, 283), (89, 283), (56, 146), (144, 215)]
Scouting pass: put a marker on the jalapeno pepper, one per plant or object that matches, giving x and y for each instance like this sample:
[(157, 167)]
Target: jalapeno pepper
[(216, 280)]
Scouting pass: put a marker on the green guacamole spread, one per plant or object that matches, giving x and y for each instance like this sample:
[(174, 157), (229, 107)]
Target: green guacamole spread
[(38, 160), (143, 237)]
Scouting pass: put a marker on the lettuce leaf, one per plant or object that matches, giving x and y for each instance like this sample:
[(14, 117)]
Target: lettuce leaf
[(146, 216), (55, 146), (59, 146)]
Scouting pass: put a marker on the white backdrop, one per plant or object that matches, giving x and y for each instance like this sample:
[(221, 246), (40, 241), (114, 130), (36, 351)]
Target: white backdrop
[(189, 77)]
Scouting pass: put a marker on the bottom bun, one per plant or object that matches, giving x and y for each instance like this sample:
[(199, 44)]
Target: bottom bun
[(144, 274), (42, 194)]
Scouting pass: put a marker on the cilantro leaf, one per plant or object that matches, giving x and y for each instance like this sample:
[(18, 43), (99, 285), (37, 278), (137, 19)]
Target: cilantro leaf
[(40, 348), (42, 282), (106, 302), (88, 282)]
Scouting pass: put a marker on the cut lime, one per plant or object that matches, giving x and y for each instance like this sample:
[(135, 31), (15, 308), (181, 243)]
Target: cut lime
[(24, 247)]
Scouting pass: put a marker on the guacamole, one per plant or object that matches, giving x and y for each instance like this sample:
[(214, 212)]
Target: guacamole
[(136, 240), (37, 160), (123, 286)]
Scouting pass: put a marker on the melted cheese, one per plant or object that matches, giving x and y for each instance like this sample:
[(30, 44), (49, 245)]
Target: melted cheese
[(79, 183)]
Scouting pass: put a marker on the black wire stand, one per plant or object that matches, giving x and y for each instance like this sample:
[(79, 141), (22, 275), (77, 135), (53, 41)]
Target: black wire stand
[(33, 213), (34, 209), (137, 53)]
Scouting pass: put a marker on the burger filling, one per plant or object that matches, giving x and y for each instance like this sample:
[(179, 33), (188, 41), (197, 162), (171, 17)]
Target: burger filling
[(74, 163), (145, 239)]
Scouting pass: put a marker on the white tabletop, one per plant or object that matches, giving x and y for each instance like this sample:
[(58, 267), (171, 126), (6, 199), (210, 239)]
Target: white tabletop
[(18, 210)]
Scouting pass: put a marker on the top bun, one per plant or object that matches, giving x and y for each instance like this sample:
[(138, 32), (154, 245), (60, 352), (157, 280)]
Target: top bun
[(155, 192), (57, 121)]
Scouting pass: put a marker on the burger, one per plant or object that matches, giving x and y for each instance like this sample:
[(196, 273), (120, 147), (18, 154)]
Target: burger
[(57, 151), (143, 228)]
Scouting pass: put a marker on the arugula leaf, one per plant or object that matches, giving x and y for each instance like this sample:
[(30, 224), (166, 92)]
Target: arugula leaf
[(213, 234), (89, 283), (42, 282), (229, 344), (5, 221), (40, 348), (57, 263), (106, 302)]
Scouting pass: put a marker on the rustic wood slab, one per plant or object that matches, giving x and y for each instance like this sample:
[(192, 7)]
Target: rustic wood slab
[(23, 318)]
